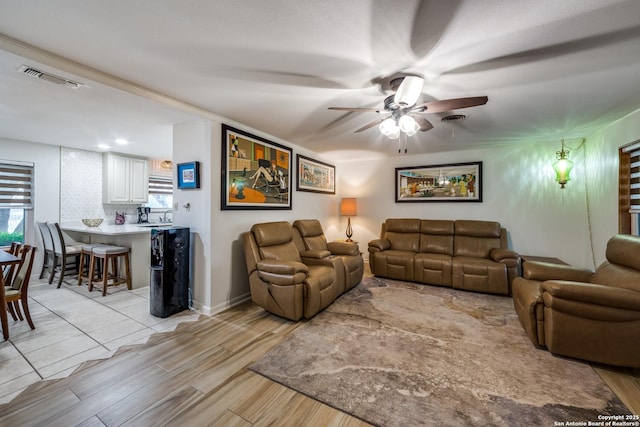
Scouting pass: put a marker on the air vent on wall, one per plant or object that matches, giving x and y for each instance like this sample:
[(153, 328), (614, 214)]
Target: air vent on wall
[(34, 72)]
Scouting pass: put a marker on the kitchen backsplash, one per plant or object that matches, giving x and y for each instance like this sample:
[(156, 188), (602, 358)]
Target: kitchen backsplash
[(81, 188)]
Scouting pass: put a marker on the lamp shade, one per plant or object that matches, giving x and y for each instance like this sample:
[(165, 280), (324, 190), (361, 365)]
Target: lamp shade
[(389, 128), (408, 125), (348, 207), (563, 168)]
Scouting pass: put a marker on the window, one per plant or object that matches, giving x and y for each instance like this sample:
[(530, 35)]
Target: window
[(160, 193), (16, 200), (629, 189)]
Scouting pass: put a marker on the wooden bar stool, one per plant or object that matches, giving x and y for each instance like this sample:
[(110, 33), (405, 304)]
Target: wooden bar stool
[(108, 253), (85, 259)]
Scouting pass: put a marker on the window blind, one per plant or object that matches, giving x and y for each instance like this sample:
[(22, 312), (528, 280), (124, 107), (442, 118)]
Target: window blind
[(634, 181), (16, 185), (160, 185)]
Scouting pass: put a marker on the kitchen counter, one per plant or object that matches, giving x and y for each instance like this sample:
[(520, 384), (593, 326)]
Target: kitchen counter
[(134, 236), (112, 229)]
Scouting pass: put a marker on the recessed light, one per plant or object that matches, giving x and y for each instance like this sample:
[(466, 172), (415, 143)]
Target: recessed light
[(121, 141), (103, 146)]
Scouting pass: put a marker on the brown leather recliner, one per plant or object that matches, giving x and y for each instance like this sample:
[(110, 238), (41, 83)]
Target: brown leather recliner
[(315, 245), (279, 279), (577, 313)]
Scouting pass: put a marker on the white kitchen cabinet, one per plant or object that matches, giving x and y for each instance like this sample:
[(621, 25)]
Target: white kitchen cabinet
[(125, 179)]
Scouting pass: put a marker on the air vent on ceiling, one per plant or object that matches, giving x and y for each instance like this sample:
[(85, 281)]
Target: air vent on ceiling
[(34, 72)]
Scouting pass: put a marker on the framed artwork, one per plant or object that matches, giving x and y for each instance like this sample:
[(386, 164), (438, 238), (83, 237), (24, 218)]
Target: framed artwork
[(188, 175), (315, 176), (256, 172), (456, 182)]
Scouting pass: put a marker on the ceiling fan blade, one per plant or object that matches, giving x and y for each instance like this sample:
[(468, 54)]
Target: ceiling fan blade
[(452, 104), (356, 109), (370, 125), (425, 124), (409, 90)]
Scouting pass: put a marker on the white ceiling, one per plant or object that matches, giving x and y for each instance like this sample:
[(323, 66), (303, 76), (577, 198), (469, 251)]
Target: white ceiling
[(551, 69)]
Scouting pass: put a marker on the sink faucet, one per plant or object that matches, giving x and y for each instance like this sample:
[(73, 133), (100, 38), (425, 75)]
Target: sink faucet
[(164, 215)]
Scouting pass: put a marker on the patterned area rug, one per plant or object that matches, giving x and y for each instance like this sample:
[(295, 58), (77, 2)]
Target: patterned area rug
[(399, 354)]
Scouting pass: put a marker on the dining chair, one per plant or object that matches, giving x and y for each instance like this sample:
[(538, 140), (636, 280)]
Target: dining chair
[(8, 272), (16, 249), (47, 251), (17, 291), (62, 253)]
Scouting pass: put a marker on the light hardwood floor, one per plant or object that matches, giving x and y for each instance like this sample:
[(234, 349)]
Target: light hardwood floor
[(198, 375)]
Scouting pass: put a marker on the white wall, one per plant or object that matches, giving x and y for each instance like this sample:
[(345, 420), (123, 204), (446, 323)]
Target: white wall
[(192, 142), (220, 275), (602, 154), (518, 190), (46, 186)]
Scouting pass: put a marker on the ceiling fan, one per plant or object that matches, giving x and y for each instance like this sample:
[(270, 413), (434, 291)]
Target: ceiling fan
[(402, 114)]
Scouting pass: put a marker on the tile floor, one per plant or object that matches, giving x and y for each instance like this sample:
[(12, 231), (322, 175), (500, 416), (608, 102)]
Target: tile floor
[(73, 326)]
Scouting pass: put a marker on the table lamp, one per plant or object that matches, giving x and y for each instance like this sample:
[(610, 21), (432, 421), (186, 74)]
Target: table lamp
[(349, 208)]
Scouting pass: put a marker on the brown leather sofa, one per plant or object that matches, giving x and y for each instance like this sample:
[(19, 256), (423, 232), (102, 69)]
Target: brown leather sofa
[(578, 313), (462, 254), (288, 279)]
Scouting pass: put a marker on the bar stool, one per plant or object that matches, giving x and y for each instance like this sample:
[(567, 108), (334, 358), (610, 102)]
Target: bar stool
[(108, 253), (85, 258)]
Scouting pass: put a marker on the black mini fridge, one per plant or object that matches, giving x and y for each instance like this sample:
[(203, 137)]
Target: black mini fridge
[(169, 284)]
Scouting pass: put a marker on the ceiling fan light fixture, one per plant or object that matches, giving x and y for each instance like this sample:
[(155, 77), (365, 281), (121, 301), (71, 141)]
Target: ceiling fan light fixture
[(389, 128), (408, 125)]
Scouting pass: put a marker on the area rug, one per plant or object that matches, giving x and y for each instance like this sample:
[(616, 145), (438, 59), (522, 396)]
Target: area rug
[(399, 354)]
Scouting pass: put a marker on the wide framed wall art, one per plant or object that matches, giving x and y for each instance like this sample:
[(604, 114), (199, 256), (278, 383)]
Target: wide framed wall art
[(455, 182), (256, 172), (315, 176)]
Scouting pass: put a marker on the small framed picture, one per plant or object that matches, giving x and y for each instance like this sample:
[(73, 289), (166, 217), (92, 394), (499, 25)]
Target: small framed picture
[(315, 176), (188, 175)]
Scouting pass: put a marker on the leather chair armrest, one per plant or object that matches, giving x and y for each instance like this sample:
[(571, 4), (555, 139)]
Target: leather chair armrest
[(591, 293), (378, 245), (315, 254), (537, 270), (281, 267), (282, 272), (343, 248), (499, 254)]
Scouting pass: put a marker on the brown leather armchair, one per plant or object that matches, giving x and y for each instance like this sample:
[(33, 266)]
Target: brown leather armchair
[(280, 280), (315, 244), (578, 313)]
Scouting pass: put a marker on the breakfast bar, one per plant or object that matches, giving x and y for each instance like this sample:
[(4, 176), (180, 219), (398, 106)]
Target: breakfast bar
[(136, 237)]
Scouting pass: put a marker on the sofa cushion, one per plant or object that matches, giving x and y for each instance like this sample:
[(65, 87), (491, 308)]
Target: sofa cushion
[(477, 228), (436, 237), (403, 234), (432, 268), (275, 241), (624, 250), (312, 234), (617, 276), (476, 238), (394, 264), (480, 275)]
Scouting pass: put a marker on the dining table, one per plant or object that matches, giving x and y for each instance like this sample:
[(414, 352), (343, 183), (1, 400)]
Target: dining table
[(6, 259)]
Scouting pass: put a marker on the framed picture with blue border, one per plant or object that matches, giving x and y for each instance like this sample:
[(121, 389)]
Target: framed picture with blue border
[(188, 175)]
